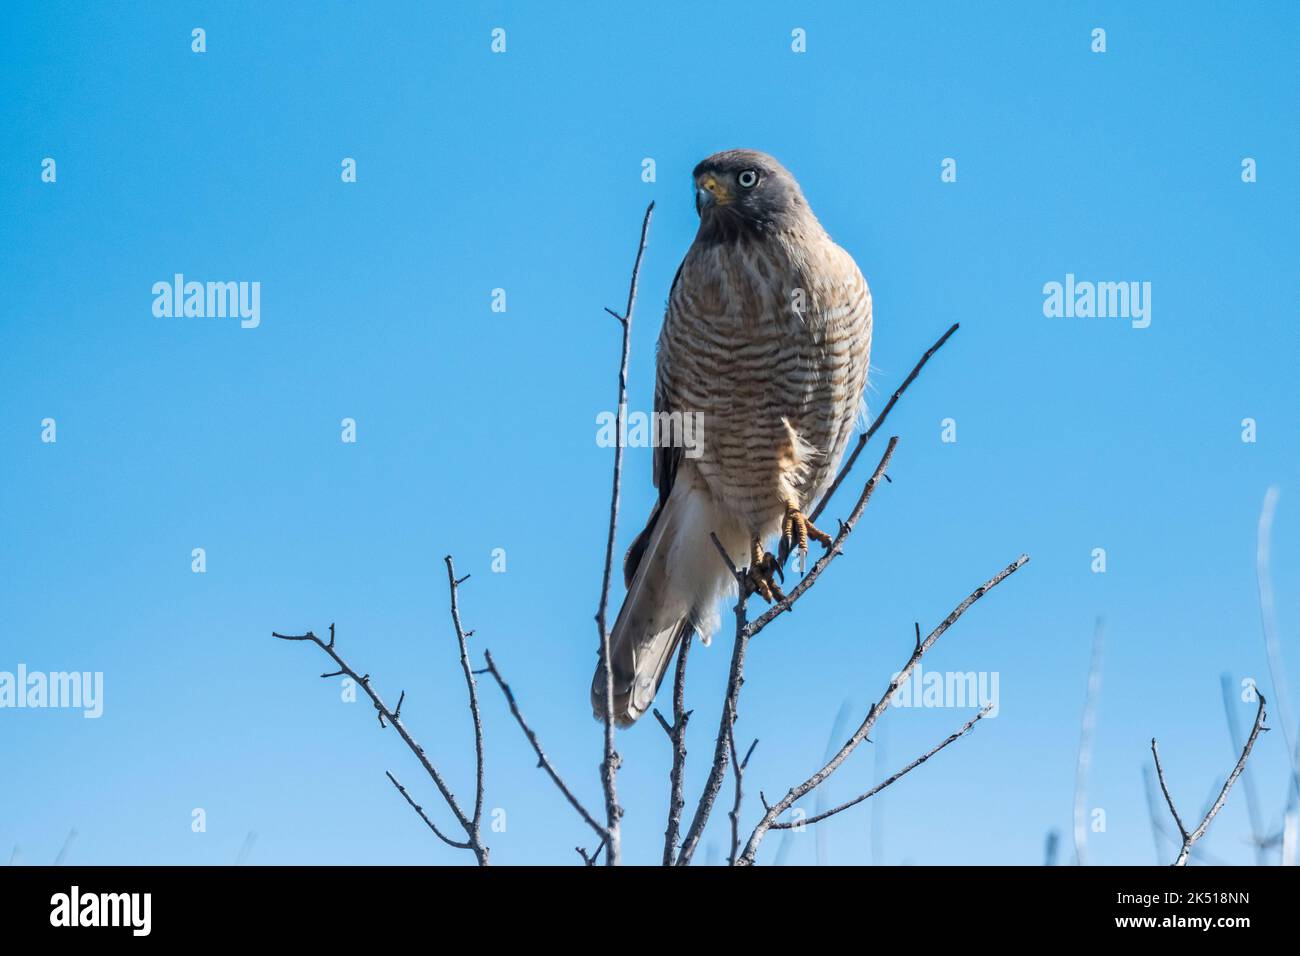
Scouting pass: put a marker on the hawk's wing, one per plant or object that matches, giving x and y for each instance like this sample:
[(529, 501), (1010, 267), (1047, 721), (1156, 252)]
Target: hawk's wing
[(665, 460)]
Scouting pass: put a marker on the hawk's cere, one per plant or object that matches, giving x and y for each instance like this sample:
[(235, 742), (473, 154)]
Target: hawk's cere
[(767, 336)]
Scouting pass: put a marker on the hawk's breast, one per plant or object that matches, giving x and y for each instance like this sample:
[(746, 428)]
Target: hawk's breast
[(770, 340)]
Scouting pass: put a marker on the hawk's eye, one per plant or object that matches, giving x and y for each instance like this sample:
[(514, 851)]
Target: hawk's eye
[(748, 178)]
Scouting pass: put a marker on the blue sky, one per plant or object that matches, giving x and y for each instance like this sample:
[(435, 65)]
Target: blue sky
[(476, 429)]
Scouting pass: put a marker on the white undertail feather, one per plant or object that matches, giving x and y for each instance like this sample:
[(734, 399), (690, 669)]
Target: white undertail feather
[(678, 583)]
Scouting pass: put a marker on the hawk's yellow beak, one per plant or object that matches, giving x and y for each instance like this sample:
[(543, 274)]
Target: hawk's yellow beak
[(710, 190)]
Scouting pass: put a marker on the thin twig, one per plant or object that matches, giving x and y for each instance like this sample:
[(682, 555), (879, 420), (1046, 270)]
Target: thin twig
[(955, 735), (880, 420), (542, 760), (589, 859), (1257, 835), (722, 745), (1189, 838), (1159, 832), (1210, 796), (677, 734), (836, 548), (796, 792), (471, 686), (609, 765), (738, 775), (1164, 788), (424, 816), (363, 681)]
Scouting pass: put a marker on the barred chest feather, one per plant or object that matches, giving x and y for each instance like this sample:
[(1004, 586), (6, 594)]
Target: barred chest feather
[(770, 340)]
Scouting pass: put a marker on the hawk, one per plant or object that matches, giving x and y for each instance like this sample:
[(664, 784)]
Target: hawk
[(766, 341)]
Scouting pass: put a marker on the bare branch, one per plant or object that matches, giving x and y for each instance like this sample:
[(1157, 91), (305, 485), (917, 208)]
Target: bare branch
[(1189, 839), (589, 859), (1164, 788), (738, 774), (424, 816), (542, 760), (722, 745), (1258, 837), (471, 686), (880, 420), (836, 548), (795, 793), (677, 734), (609, 765), (363, 681), (955, 735), (745, 630), (1159, 832)]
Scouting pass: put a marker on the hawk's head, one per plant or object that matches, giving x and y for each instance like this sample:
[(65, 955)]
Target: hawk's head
[(744, 193)]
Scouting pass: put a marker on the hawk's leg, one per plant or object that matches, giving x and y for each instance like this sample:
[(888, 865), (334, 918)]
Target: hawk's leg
[(760, 579), (795, 532)]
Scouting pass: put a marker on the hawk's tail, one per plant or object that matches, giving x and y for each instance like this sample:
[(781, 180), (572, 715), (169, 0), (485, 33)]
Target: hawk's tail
[(675, 578)]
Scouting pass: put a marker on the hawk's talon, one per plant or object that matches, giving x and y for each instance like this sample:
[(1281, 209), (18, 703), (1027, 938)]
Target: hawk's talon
[(796, 529), (761, 577)]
